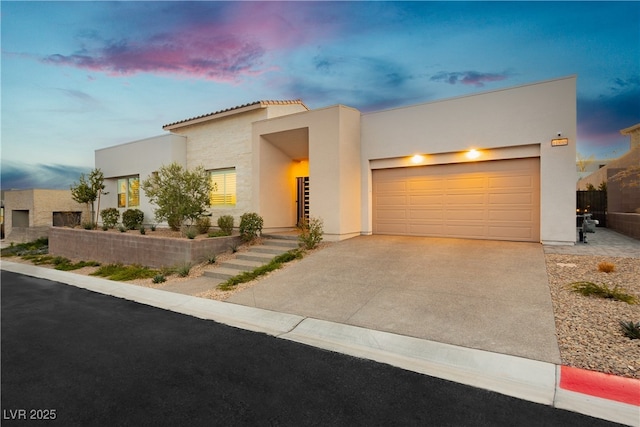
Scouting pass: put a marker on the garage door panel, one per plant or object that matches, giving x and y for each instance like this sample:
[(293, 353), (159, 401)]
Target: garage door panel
[(511, 199), (391, 200), (426, 200), (510, 182), (466, 183), (418, 184), (485, 200), (394, 214), (429, 214)]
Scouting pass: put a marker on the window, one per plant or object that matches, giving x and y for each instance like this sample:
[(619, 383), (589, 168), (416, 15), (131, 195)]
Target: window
[(223, 187), (129, 192)]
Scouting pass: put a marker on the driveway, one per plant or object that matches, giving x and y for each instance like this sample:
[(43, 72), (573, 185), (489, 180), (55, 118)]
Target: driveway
[(486, 295)]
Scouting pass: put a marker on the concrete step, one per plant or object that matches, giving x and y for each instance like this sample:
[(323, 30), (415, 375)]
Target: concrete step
[(261, 257), (268, 249), (222, 273), (241, 264), (289, 244)]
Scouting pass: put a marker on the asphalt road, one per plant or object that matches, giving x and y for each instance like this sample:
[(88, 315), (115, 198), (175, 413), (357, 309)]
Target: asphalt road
[(87, 359)]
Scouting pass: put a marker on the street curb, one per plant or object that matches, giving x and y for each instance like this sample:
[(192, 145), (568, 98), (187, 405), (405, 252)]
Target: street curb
[(591, 393)]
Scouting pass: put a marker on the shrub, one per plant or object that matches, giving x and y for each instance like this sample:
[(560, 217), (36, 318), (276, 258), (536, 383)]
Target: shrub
[(234, 248), (212, 259), (110, 217), (122, 228), (183, 270), (153, 227), (606, 267), (190, 232), (202, 224), (159, 278), (247, 276), (121, 272), (630, 330), (132, 218), (250, 226), (311, 231), (88, 225), (602, 291), (143, 230), (225, 223)]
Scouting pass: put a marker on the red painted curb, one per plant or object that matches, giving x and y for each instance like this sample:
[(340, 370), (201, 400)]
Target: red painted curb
[(612, 387)]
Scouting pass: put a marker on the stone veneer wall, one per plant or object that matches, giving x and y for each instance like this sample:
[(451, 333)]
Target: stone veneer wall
[(624, 223), (130, 248)]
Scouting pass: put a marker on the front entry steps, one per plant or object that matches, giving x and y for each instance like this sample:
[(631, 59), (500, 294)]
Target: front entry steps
[(255, 257)]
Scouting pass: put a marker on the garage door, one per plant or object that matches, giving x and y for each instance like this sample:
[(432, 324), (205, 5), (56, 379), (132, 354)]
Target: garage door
[(496, 200)]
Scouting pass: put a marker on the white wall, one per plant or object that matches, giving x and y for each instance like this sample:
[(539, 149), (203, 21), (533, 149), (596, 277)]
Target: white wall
[(138, 158), (529, 115)]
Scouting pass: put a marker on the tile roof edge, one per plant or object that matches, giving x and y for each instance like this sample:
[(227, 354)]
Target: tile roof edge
[(256, 104)]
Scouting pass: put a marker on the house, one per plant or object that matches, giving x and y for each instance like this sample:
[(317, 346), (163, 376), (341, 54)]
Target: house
[(495, 165), (28, 214), (622, 177)]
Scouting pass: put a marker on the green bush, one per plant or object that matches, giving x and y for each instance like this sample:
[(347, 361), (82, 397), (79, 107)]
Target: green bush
[(159, 278), (88, 225), (602, 291), (250, 226), (225, 223), (311, 231), (110, 217), (122, 228), (203, 224), (143, 230), (183, 270), (190, 232), (132, 218)]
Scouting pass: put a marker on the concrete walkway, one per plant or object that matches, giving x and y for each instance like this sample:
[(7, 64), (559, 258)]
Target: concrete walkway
[(604, 242)]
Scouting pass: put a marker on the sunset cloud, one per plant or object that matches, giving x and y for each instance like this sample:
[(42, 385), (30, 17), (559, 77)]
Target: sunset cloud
[(474, 78)]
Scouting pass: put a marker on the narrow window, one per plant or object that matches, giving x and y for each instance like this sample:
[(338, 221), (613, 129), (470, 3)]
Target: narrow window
[(129, 192), (223, 187)]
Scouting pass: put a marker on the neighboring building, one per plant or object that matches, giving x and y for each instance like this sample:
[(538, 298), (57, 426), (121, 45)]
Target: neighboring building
[(28, 214), (481, 166), (588, 166)]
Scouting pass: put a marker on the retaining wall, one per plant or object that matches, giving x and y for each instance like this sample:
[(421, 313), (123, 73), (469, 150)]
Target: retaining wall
[(624, 223), (130, 248)]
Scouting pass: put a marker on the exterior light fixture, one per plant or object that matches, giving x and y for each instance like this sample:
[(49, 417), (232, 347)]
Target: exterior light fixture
[(417, 159), (473, 154), (558, 142)]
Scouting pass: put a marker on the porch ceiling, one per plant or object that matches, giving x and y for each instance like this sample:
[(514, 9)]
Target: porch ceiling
[(294, 143)]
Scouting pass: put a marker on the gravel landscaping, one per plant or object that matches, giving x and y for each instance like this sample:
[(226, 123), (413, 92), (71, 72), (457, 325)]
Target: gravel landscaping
[(588, 329)]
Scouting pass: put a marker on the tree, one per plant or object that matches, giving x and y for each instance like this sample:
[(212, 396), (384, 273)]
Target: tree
[(181, 195), (583, 162), (88, 190)]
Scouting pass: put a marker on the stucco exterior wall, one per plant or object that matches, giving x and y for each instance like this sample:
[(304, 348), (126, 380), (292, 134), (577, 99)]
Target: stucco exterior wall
[(141, 158), (523, 118), (41, 204)]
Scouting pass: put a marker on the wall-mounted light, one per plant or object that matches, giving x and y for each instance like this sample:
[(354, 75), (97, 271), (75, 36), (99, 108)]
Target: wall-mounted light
[(416, 159), (473, 154)]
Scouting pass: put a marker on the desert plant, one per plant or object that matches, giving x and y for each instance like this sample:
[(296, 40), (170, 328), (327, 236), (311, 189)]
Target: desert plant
[(190, 233), (153, 227), (602, 291), (110, 217), (124, 272), (203, 224), (250, 226), (311, 231), (88, 225), (122, 228), (212, 259), (247, 276), (606, 267), (225, 223), (630, 329), (234, 248), (159, 278), (183, 270), (104, 228), (143, 230), (132, 218)]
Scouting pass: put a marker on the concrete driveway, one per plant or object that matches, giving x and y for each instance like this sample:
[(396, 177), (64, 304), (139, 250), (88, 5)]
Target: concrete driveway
[(480, 294)]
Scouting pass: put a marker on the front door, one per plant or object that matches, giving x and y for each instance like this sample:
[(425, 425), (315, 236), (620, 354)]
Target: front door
[(302, 199)]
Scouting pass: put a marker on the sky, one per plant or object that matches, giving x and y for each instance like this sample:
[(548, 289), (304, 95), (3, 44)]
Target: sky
[(80, 76)]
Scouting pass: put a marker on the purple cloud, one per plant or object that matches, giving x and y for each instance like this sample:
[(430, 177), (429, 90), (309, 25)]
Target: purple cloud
[(474, 78)]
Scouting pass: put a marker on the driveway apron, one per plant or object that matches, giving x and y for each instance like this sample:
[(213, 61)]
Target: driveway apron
[(480, 294)]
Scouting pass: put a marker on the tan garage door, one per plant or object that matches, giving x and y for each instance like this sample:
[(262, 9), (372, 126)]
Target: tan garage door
[(496, 200)]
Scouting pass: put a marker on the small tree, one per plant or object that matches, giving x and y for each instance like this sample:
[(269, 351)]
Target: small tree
[(181, 195), (88, 190)]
